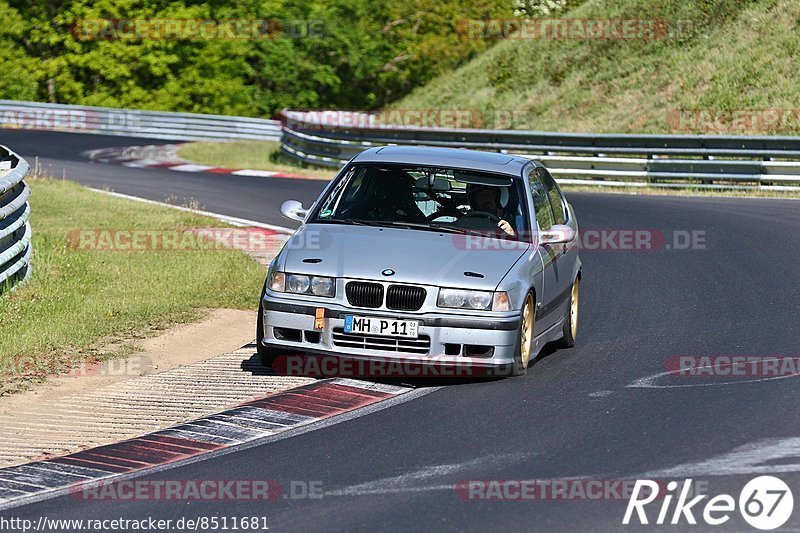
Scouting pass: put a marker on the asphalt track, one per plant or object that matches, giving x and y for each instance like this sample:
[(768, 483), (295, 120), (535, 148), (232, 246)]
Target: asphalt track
[(574, 415), (241, 196)]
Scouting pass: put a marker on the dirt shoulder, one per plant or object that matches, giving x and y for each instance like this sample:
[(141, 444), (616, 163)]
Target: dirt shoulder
[(188, 372), (224, 330)]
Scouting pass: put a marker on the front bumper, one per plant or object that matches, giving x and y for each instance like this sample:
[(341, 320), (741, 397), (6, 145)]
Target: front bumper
[(440, 334)]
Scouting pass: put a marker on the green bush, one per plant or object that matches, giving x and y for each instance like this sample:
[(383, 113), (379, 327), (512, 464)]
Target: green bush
[(352, 54)]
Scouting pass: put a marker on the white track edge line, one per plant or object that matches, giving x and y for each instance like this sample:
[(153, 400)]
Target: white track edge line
[(236, 221)]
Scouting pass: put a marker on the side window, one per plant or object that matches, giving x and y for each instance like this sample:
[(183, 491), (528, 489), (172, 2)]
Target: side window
[(544, 212), (331, 203), (556, 200), (353, 189)]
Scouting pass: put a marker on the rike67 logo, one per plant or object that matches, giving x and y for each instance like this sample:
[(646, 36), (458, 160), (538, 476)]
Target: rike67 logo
[(765, 503)]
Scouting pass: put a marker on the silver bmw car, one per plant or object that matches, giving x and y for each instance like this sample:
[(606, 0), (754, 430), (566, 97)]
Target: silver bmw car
[(427, 255)]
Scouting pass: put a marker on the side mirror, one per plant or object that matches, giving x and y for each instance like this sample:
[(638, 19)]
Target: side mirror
[(558, 234), (292, 209)]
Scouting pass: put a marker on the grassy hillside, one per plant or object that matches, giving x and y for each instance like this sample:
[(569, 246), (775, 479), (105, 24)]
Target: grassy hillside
[(732, 56)]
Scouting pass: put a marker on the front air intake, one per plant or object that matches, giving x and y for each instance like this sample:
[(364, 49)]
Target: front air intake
[(405, 297), (361, 294)]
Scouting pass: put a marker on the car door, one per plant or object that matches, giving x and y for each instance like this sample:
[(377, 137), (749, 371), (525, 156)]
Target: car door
[(546, 313), (566, 254)]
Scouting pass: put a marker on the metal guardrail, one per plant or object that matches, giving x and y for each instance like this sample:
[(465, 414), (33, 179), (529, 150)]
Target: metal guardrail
[(15, 230), (134, 123), (702, 161)]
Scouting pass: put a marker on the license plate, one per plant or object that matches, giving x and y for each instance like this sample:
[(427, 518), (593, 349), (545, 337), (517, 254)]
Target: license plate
[(387, 327)]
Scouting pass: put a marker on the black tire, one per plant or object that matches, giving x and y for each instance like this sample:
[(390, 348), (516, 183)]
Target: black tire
[(518, 367), (266, 355), (568, 332)]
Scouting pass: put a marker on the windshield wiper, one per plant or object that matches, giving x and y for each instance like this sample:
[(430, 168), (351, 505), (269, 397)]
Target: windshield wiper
[(456, 229), (434, 227), (350, 221), (410, 225)]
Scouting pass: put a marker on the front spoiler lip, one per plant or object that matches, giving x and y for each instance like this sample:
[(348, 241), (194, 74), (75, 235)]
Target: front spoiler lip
[(493, 324), (471, 364)]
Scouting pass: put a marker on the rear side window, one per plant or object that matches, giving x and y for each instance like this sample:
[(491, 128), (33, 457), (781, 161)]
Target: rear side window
[(556, 200), (541, 202)]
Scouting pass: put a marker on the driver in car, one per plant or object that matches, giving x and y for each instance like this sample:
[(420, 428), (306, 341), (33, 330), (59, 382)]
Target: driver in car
[(486, 199)]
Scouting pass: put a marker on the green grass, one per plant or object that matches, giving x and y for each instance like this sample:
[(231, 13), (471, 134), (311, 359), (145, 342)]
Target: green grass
[(257, 155), (737, 55), (90, 303)]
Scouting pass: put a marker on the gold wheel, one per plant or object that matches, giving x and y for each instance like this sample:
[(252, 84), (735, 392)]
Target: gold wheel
[(526, 335), (573, 309)]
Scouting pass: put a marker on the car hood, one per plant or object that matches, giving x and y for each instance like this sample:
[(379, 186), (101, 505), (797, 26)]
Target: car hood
[(422, 257)]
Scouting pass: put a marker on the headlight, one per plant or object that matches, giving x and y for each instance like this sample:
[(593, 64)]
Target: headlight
[(322, 286), (297, 283), (451, 298), (303, 284), (479, 300)]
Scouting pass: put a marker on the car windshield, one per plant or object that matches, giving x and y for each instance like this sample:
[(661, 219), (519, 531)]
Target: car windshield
[(426, 198)]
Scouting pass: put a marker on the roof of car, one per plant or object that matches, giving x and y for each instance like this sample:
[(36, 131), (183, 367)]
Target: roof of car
[(445, 157)]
